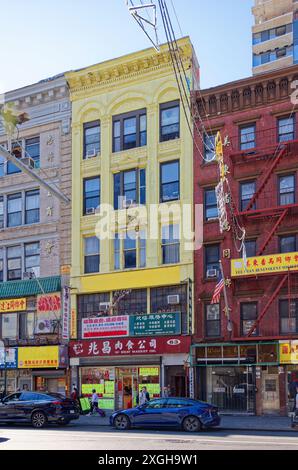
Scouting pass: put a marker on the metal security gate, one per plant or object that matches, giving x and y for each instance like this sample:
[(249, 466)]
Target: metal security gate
[(232, 389)]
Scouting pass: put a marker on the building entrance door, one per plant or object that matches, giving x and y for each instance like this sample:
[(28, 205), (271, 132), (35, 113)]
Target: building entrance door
[(232, 389), (270, 392), (127, 383)]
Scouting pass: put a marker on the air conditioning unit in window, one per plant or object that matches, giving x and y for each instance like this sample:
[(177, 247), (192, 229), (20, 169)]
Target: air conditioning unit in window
[(28, 161), (42, 326), (211, 273), (90, 154), (104, 306), (173, 299), (90, 210), (28, 275), (128, 203)]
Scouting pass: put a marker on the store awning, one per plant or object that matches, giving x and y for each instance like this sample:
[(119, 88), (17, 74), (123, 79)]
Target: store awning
[(14, 289)]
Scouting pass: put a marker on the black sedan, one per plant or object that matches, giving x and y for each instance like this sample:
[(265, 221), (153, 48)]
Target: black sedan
[(38, 408)]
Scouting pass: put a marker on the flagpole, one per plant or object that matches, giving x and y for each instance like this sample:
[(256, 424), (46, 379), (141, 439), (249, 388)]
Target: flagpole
[(227, 309)]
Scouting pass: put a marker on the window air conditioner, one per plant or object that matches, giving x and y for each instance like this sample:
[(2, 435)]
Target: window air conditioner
[(90, 210), (211, 273), (128, 203), (104, 306), (43, 326), (91, 154), (173, 299), (28, 161), (28, 275)]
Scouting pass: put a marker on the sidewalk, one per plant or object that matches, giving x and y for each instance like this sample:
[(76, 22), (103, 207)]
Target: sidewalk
[(236, 423)]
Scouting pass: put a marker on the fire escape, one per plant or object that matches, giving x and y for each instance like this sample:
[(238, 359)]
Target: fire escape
[(269, 159)]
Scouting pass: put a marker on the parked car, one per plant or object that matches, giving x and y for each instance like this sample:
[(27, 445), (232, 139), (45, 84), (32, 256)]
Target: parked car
[(38, 408), (183, 413)]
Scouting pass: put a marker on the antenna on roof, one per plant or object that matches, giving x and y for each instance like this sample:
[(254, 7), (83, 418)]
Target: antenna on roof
[(149, 24)]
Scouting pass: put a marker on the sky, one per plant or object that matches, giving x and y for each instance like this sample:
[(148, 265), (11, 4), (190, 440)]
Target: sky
[(41, 38)]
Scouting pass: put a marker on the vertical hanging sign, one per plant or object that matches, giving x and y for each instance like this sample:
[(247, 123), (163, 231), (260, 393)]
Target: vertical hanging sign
[(66, 313)]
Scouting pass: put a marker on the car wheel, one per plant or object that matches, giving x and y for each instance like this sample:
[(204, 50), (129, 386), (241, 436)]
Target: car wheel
[(192, 424), (38, 419), (121, 422)]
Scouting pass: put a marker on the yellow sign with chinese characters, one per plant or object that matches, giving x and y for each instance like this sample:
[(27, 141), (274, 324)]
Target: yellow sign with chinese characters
[(38, 357), (288, 352), (13, 305), (148, 371), (265, 264)]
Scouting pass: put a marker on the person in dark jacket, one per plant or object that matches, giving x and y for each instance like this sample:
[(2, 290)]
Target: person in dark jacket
[(143, 397)]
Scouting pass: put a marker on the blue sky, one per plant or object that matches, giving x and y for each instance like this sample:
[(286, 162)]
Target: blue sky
[(40, 38)]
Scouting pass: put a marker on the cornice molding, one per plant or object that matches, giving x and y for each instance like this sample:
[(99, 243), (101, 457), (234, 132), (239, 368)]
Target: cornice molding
[(124, 69)]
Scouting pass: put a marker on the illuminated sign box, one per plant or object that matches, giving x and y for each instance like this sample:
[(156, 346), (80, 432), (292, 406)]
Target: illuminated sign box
[(268, 264)]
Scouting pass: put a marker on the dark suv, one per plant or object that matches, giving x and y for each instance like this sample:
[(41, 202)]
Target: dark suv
[(38, 408)]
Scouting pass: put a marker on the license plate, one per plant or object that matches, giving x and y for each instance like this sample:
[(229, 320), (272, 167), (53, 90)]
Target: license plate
[(71, 411)]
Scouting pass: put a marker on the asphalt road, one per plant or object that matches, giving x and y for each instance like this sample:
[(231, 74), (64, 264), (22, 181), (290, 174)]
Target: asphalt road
[(95, 438)]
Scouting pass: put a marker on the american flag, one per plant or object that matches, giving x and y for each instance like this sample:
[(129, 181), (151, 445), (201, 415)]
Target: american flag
[(218, 288)]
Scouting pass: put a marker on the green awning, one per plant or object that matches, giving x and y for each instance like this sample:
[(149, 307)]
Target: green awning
[(13, 289)]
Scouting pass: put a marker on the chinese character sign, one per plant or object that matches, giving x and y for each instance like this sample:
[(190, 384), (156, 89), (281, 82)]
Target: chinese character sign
[(102, 327), (38, 357), (66, 312), (155, 324), (13, 305), (265, 264)]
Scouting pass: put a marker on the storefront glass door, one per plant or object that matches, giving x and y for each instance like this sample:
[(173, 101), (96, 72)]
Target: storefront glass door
[(232, 389)]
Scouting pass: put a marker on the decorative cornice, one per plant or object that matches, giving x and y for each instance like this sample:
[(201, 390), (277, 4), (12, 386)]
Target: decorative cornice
[(126, 68)]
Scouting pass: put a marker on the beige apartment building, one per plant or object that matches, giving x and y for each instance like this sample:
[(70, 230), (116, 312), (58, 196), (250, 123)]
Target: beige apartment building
[(274, 35), (35, 240)]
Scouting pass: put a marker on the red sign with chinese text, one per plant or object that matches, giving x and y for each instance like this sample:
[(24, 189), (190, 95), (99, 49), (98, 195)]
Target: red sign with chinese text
[(130, 346)]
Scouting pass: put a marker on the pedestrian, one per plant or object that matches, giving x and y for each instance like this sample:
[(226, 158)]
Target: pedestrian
[(74, 394), (94, 405), (143, 397)]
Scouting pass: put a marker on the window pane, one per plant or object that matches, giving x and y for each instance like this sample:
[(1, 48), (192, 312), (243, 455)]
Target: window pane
[(286, 129), (91, 138), (32, 147), (288, 244), (169, 181), (247, 137), (91, 245), (250, 246), (170, 123), (10, 325)]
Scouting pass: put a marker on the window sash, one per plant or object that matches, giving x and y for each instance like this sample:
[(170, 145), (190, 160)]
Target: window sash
[(125, 138), (285, 129), (170, 183), (169, 121), (91, 194), (247, 137)]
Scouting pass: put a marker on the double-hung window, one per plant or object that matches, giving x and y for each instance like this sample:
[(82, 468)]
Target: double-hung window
[(1, 212), (210, 204), (129, 130), (286, 130), (169, 181), (32, 258), (91, 255), (212, 320), (247, 137), (170, 244), (251, 248), (1, 264), (209, 147), (288, 315), (91, 195), (169, 121), (16, 149), (288, 244), (132, 245), (286, 190), (212, 260), (14, 210), (32, 207), (129, 188), (14, 263), (91, 139), (249, 313), (247, 190), (32, 147)]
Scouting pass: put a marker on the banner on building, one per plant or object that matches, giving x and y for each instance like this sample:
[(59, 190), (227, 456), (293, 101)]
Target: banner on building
[(288, 352), (13, 305), (265, 264), (105, 327), (38, 357), (11, 357), (155, 324), (48, 313), (66, 312), (130, 346)]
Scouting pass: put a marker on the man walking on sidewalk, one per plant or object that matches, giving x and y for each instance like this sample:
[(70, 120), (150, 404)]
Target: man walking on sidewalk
[(94, 405)]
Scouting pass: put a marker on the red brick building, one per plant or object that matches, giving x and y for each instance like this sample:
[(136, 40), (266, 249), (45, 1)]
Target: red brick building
[(250, 364)]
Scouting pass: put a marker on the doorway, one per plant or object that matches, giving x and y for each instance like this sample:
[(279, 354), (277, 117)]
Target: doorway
[(270, 391), (127, 382)]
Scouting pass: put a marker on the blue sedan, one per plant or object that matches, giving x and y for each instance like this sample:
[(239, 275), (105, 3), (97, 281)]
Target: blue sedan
[(183, 413)]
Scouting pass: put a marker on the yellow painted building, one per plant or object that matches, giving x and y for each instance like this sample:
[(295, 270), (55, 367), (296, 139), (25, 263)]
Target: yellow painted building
[(144, 156)]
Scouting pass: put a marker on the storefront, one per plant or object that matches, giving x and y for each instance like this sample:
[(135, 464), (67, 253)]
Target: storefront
[(118, 368), (239, 378), (289, 361)]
